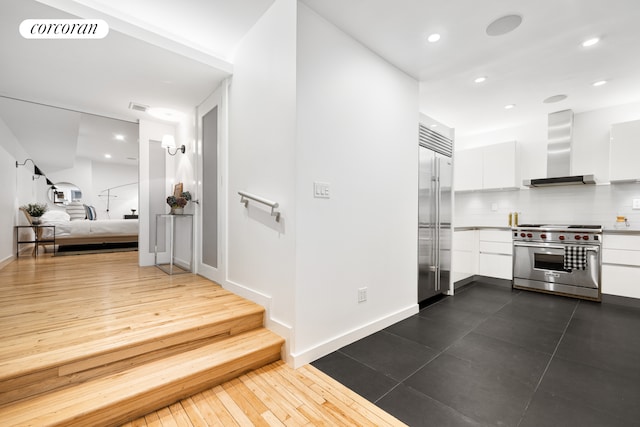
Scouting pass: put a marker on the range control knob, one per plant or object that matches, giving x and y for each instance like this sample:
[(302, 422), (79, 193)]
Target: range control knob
[(561, 237), (578, 237), (585, 237), (523, 235), (543, 236), (529, 235)]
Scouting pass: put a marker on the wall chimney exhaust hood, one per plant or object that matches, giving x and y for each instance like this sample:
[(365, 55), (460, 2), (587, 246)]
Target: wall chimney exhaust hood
[(560, 135)]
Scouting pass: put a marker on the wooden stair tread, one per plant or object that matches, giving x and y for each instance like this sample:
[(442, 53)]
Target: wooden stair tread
[(41, 358), (119, 397)]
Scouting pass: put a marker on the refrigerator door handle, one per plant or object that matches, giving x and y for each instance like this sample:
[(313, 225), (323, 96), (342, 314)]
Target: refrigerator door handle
[(436, 239)]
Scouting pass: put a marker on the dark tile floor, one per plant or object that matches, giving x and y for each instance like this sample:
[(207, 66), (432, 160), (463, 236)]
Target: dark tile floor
[(495, 356)]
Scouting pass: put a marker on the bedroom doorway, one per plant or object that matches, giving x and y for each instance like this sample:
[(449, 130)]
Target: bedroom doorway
[(210, 233)]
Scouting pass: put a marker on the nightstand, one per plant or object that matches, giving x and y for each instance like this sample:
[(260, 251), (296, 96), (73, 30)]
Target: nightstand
[(37, 237)]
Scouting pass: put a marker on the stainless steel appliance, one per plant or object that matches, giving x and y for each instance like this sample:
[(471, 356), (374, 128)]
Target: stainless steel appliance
[(434, 213), (559, 149), (560, 259)]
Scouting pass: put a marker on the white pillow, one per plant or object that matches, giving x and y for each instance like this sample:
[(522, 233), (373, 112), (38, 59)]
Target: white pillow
[(55, 216), (76, 211)]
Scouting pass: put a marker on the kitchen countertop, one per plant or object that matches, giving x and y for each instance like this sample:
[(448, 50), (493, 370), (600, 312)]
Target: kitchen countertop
[(606, 230), (482, 227), (611, 230)]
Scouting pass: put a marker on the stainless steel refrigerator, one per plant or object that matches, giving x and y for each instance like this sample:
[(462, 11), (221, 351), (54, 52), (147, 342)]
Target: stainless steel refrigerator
[(434, 213)]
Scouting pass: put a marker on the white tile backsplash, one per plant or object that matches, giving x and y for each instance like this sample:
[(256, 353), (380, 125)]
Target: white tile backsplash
[(572, 204)]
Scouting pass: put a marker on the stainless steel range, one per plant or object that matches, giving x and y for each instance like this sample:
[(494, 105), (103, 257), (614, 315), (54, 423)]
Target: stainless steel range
[(559, 259)]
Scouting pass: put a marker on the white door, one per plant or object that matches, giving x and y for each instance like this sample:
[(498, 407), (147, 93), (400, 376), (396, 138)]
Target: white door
[(212, 199)]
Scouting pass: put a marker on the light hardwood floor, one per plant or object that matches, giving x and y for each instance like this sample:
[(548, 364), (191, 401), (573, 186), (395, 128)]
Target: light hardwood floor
[(275, 395), (52, 309)]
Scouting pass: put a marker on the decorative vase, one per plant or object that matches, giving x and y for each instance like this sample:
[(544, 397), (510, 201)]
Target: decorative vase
[(36, 220), (177, 211)]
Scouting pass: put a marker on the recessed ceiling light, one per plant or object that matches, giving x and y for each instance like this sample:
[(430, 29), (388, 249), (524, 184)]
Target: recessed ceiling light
[(119, 137), (509, 106), (504, 25), (107, 156), (165, 114), (600, 83), (590, 42), (480, 79), (433, 126), (433, 38), (555, 98)]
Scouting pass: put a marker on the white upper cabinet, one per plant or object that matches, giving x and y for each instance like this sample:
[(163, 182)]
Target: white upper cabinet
[(499, 166), (624, 155), (491, 167), (468, 170)]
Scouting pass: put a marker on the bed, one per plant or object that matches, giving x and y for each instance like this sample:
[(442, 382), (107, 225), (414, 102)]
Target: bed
[(88, 232)]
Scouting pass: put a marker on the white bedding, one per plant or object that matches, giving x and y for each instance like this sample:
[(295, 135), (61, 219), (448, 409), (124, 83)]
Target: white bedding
[(85, 228)]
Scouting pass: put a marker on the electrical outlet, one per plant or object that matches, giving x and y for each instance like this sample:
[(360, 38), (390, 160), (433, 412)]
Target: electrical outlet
[(362, 294), (321, 190), (636, 204)]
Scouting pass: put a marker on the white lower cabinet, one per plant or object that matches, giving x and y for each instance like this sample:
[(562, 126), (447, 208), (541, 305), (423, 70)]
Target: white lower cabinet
[(487, 252), (496, 254), (621, 265), (465, 254)]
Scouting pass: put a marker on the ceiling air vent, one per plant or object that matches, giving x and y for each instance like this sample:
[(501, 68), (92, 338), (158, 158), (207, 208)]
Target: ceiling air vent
[(138, 107)]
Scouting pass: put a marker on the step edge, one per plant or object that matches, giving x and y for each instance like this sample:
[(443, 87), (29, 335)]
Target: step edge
[(34, 367), (273, 347)]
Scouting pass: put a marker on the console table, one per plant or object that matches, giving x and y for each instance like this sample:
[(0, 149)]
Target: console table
[(169, 265), (37, 237)]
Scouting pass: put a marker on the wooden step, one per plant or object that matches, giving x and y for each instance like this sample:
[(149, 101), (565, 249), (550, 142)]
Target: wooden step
[(44, 371), (117, 398)]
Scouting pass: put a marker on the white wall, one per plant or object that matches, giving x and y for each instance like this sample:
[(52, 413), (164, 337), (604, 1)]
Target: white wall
[(590, 149), (357, 130), (107, 175), (262, 123), (531, 145), (351, 119), (573, 204), (566, 204), (591, 138), (149, 131), (19, 189), (92, 178), (184, 169)]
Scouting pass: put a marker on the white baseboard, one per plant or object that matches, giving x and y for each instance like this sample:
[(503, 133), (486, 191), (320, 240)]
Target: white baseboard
[(8, 260), (320, 350), (274, 325), (308, 356), (145, 259)]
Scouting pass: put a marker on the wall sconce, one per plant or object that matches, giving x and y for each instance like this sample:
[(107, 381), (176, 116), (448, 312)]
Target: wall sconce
[(36, 170), (169, 142)]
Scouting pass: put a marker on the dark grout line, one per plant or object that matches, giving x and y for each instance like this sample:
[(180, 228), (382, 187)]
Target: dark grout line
[(546, 368), (437, 355)]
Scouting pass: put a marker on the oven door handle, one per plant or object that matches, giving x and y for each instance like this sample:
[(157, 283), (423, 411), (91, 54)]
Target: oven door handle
[(548, 246)]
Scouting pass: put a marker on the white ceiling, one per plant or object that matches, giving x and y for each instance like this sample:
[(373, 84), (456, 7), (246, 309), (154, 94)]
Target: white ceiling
[(173, 54), (212, 26), (541, 58), (102, 77)]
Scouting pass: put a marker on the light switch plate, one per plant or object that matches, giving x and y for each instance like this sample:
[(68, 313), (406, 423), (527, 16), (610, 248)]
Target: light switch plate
[(636, 204), (321, 190)]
